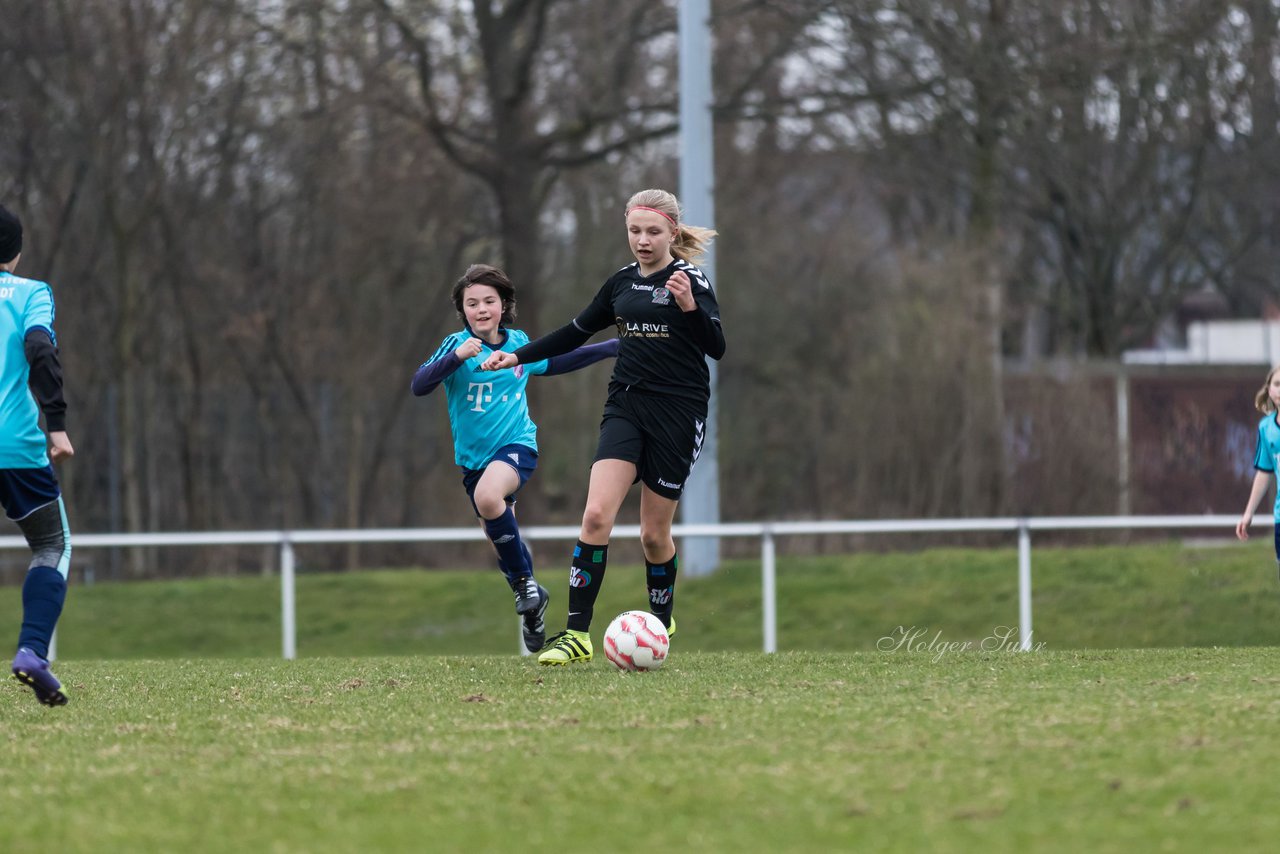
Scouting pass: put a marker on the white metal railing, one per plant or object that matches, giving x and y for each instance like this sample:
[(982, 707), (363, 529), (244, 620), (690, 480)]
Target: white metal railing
[(767, 532)]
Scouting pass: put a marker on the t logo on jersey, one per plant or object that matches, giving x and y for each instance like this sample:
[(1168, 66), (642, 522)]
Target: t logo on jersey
[(481, 393)]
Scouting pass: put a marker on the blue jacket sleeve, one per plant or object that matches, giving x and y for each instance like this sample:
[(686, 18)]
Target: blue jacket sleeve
[(431, 374), (581, 357)]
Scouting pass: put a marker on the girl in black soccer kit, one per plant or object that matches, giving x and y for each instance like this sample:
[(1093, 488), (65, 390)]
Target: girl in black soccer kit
[(668, 322)]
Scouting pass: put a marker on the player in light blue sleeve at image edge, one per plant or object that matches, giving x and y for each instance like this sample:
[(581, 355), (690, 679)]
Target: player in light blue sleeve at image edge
[(494, 439), (1265, 458), (29, 492)]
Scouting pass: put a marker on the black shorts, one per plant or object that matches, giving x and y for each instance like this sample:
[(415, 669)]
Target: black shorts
[(660, 434)]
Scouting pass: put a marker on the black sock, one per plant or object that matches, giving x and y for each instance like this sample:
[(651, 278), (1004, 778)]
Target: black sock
[(660, 578), (586, 574)]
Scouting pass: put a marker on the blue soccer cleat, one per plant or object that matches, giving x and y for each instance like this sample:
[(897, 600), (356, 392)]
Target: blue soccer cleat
[(33, 671)]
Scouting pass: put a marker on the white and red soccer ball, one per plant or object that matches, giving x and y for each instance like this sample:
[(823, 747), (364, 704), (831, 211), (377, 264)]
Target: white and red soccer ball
[(636, 640)]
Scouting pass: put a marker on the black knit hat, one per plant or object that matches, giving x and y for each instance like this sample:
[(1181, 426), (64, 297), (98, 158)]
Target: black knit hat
[(10, 235)]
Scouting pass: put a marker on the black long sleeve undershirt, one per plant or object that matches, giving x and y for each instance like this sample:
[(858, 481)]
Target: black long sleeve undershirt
[(45, 380), (555, 343), (706, 332)]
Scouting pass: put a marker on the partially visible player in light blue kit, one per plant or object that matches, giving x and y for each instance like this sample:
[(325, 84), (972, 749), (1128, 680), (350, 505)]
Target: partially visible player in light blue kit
[(31, 384), (494, 439), (1266, 458)]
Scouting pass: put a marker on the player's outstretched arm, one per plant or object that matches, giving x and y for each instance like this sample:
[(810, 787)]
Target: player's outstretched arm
[(585, 355)]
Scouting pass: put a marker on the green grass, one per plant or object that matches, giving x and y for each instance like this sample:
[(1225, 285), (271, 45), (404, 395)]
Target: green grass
[(871, 751), (408, 724), (1162, 595)]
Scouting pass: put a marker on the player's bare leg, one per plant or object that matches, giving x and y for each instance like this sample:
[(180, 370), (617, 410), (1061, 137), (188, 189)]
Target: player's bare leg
[(610, 480)]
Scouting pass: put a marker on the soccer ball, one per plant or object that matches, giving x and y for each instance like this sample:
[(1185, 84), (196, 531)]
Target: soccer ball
[(636, 640)]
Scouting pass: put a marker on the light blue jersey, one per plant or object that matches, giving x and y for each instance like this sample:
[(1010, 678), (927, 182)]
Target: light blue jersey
[(25, 304), (1267, 457), (488, 409)]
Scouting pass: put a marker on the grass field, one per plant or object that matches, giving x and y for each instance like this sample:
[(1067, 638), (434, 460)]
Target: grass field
[(1052, 751), (187, 733)]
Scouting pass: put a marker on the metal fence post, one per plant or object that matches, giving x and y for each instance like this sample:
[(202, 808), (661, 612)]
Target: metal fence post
[(769, 590), (1024, 585), (288, 610), (520, 647)]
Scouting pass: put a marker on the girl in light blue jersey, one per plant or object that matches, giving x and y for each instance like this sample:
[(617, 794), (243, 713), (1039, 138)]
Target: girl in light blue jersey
[(494, 439), (31, 387), (1265, 458)]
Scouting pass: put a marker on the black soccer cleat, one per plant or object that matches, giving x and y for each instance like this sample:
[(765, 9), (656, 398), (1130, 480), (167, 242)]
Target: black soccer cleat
[(533, 623)]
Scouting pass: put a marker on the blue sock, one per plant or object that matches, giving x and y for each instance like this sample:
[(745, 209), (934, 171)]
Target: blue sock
[(43, 593), (513, 577), (513, 557)]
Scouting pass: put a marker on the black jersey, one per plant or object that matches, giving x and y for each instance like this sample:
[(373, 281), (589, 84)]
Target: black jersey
[(662, 348)]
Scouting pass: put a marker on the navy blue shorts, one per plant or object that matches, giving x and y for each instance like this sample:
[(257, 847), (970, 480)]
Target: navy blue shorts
[(522, 458), (1278, 543), (24, 491)]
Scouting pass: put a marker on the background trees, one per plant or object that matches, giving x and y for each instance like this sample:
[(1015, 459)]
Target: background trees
[(251, 213)]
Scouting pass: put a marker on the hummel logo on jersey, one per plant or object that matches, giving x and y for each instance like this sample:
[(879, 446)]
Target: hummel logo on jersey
[(636, 287), (698, 277)]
